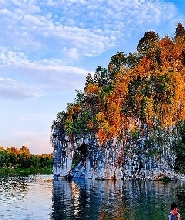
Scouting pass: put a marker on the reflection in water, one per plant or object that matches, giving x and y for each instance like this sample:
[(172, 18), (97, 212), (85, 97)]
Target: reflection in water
[(42, 198), (27, 198), (75, 200), (92, 199)]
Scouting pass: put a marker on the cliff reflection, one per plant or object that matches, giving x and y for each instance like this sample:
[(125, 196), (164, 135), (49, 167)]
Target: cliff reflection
[(92, 199), (71, 200)]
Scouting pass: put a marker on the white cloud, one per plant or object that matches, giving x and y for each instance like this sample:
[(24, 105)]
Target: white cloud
[(73, 53), (12, 89), (77, 24), (46, 38), (18, 59), (46, 74)]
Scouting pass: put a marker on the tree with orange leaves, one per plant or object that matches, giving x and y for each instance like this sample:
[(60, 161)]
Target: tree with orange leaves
[(145, 87)]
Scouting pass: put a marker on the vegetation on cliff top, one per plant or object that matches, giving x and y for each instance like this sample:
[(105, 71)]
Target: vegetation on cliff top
[(142, 88)]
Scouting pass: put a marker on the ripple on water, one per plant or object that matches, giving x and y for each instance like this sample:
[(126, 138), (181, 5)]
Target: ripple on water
[(40, 198), (26, 198)]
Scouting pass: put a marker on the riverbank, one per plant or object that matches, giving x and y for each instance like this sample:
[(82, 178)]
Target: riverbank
[(5, 171)]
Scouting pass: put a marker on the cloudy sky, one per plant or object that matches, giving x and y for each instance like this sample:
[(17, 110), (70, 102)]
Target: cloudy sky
[(47, 47)]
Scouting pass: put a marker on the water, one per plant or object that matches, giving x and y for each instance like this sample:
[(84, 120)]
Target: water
[(40, 198)]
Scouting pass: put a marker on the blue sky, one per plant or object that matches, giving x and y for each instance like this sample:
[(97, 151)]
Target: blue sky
[(47, 47)]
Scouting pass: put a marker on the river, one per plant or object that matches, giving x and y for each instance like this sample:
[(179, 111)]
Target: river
[(39, 197)]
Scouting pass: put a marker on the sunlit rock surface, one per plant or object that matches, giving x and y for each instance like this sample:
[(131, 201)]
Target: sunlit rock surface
[(135, 158)]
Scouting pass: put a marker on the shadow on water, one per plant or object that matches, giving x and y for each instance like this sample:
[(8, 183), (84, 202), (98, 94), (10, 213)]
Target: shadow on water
[(129, 200)]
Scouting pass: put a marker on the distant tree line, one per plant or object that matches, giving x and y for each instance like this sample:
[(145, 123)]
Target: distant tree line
[(11, 157)]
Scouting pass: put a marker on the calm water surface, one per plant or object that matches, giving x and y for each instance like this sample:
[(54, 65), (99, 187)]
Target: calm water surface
[(40, 197)]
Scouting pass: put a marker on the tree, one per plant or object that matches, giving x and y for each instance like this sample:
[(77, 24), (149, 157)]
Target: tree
[(142, 88)]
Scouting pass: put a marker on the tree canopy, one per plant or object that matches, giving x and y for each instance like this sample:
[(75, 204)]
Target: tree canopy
[(147, 86)]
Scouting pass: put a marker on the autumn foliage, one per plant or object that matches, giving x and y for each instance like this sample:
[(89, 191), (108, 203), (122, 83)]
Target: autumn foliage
[(145, 87)]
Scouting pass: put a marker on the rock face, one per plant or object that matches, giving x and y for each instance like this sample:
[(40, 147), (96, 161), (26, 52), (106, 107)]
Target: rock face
[(133, 158)]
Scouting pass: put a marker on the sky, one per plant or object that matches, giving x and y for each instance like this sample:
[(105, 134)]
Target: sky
[(47, 48)]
